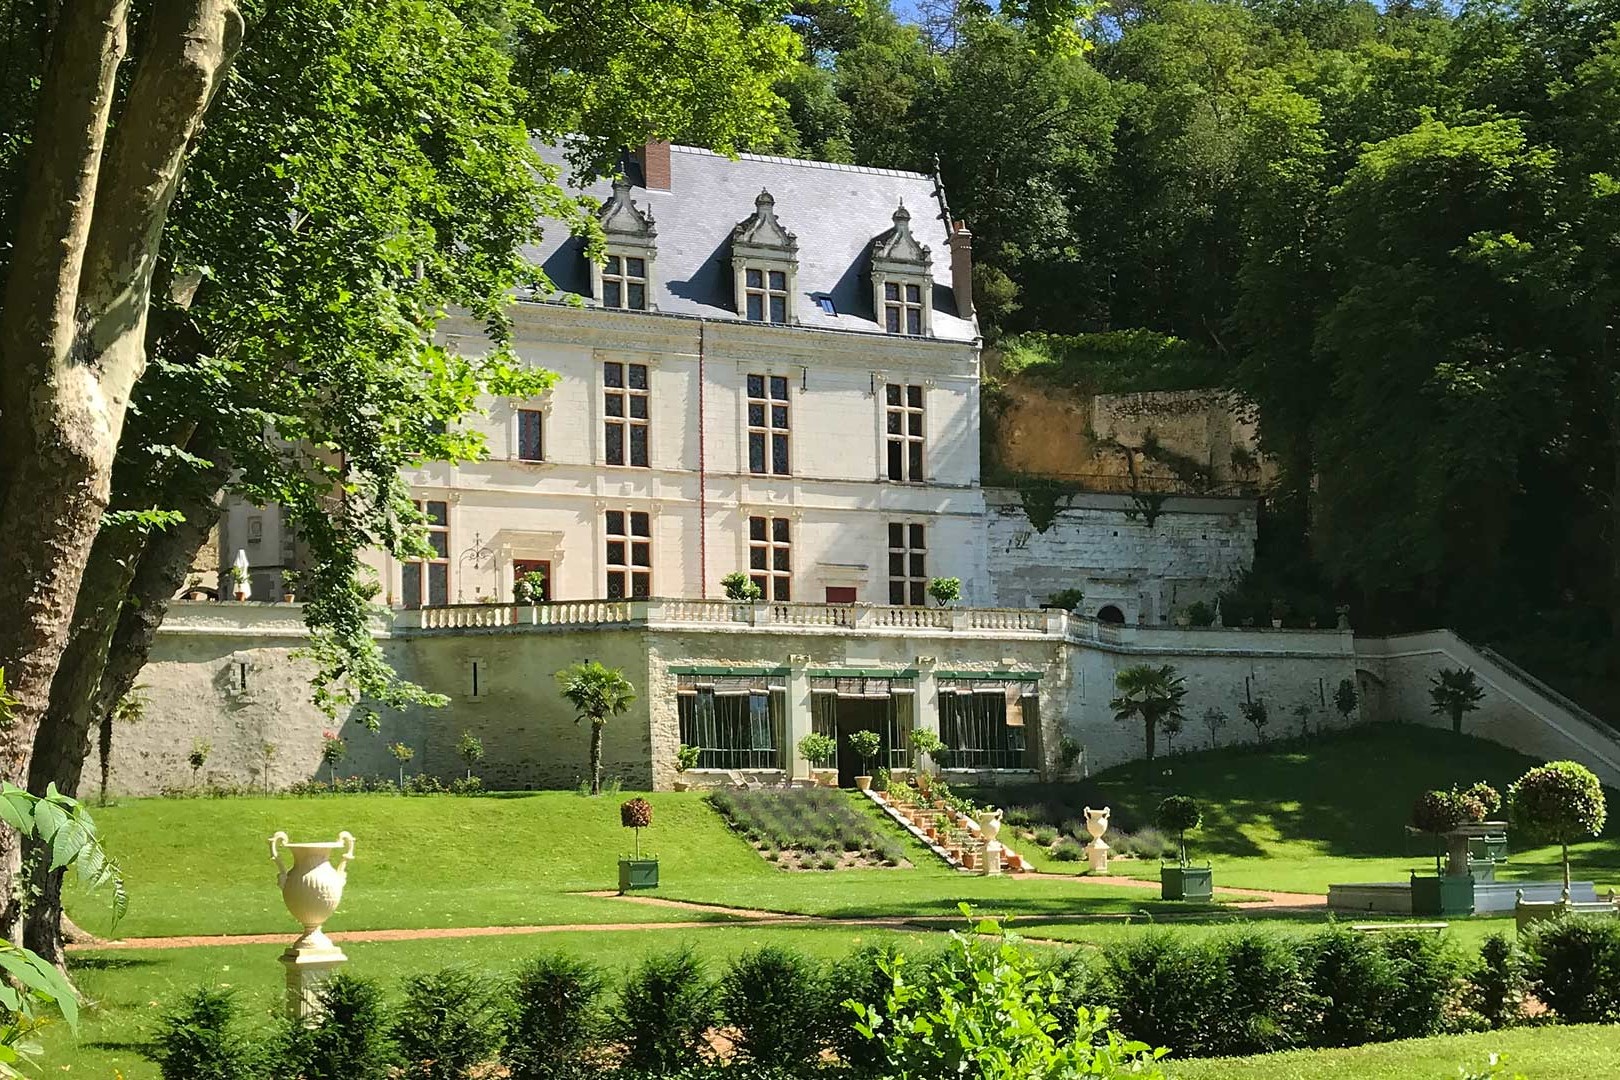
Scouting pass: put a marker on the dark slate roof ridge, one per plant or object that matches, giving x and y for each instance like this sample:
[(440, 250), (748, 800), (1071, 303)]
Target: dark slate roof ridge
[(807, 163)]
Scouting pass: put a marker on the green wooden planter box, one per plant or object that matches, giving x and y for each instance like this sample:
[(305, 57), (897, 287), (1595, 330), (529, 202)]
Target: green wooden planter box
[(1186, 882), (638, 874), (1441, 894)]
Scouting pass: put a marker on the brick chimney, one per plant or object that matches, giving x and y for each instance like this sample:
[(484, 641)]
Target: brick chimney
[(962, 268), (654, 161)]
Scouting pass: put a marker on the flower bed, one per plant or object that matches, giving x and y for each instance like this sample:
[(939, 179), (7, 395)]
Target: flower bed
[(807, 829)]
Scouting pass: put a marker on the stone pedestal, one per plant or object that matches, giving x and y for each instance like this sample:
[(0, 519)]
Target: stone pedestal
[(1097, 856), (308, 965), (992, 858)]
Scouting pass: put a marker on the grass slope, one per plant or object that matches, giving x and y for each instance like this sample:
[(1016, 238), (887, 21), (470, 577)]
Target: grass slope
[(1300, 815)]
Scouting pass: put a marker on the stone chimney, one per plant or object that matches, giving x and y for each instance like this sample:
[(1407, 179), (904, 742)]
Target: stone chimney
[(962, 268), (654, 161)]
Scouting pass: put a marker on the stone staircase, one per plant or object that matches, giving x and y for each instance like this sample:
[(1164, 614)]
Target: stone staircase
[(953, 837)]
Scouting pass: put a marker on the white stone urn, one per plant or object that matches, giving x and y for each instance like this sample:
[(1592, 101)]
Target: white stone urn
[(1097, 850), (989, 829), (313, 884)]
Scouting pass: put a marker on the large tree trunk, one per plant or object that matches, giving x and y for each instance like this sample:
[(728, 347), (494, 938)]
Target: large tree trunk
[(122, 602), (1149, 730), (72, 337), (596, 756)]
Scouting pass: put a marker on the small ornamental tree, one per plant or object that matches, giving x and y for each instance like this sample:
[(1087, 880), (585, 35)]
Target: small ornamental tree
[(198, 757), (1345, 698), (1439, 812), (817, 749), (867, 745), (1560, 802), (636, 814), (1258, 716), (924, 741), (333, 750), (470, 749), (739, 586), (1180, 814), (1302, 712), (1453, 692), (1214, 719), (403, 755), (686, 757), (945, 590), (1490, 800), (596, 692), (1150, 694)]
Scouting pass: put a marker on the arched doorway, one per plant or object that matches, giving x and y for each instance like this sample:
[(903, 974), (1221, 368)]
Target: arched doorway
[(1108, 613)]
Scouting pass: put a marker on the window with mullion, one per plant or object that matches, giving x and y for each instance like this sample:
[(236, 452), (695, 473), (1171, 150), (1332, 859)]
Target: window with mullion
[(908, 564), (426, 582), (768, 413), (629, 554), (530, 446), (770, 557), (624, 282), (627, 411), (903, 432), (902, 308), (765, 297)]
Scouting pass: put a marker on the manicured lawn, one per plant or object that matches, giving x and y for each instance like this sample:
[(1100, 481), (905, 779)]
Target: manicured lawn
[(1299, 816), (131, 988), (1549, 1053), (202, 867)]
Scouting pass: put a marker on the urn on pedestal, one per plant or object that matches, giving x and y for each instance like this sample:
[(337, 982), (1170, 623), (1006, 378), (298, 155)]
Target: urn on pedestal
[(311, 888), (989, 829), (1097, 850)]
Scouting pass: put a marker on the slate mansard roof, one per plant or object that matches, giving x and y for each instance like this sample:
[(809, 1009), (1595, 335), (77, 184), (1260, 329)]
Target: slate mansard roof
[(835, 211)]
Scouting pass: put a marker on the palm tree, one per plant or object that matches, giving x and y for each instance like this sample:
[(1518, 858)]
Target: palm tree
[(597, 692), (1150, 694), (1453, 692)]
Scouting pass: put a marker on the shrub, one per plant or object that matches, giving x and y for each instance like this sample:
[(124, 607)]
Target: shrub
[(1074, 982), (200, 1039), (1560, 801), (1018, 816), (466, 785), (1261, 996), (775, 998), (665, 1009), (1350, 979), (739, 586), (448, 1024), (349, 1040), (817, 749), (1496, 987), (1426, 973), (861, 976), (1046, 836), (1066, 850), (867, 745), (554, 1020), (1573, 965), (1162, 989), (1065, 599), (880, 779), (1178, 814), (945, 590)]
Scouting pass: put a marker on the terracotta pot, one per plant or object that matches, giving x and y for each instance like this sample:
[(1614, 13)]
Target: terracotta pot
[(863, 783), (682, 785), (312, 886)]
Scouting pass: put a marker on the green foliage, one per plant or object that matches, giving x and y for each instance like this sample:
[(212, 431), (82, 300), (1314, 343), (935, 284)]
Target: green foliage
[(1573, 966), (202, 1037), (1454, 692), (1345, 697), (597, 693), (447, 1025), (1109, 363), (1150, 694), (776, 999), (986, 1006), (1200, 614), (818, 749), (529, 588), (1258, 716), (470, 749), (349, 1039), (686, 757), (1180, 814), (1065, 599), (739, 586), (553, 1028), (945, 590), (1496, 986), (867, 745), (1441, 811), (1561, 801), (665, 1009)]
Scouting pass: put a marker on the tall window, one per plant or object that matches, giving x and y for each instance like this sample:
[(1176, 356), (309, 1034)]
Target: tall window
[(735, 722), (904, 406), (765, 295), (629, 554), (624, 283), (768, 424), (626, 401), (984, 721), (908, 564), (529, 443), (427, 581), (902, 308), (770, 557)]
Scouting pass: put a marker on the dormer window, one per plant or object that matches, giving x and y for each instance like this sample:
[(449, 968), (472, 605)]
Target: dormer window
[(624, 282), (902, 282), (765, 261), (765, 295), (624, 279)]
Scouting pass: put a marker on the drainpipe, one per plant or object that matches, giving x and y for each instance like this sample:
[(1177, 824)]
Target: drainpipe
[(703, 475)]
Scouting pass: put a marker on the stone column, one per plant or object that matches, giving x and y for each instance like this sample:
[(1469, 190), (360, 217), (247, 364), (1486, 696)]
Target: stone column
[(800, 718), (925, 717), (308, 966)]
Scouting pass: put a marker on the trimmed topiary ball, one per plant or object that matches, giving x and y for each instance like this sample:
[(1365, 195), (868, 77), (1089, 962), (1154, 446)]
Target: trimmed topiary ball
[(636, 813), (1561, 801), (1437, 812), (1179, 814)]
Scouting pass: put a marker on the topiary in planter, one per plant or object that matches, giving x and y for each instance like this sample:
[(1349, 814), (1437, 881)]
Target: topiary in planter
[(867, 745), (1180, 814), (637, 873), (1561, 801)]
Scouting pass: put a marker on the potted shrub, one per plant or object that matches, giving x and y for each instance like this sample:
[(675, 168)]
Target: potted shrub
[(924, 741), (239, 582), (1438, 813), (529, 588), (819, 750), (289, 583), (867, 745), (1278, 611), (739, 586), (638, 872), (1561, 802), (686, 757), (945, 590), (1183, 881)]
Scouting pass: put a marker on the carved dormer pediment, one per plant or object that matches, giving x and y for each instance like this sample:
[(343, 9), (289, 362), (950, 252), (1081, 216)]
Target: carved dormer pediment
[(762, 235), (624, 221), (897, 251)]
